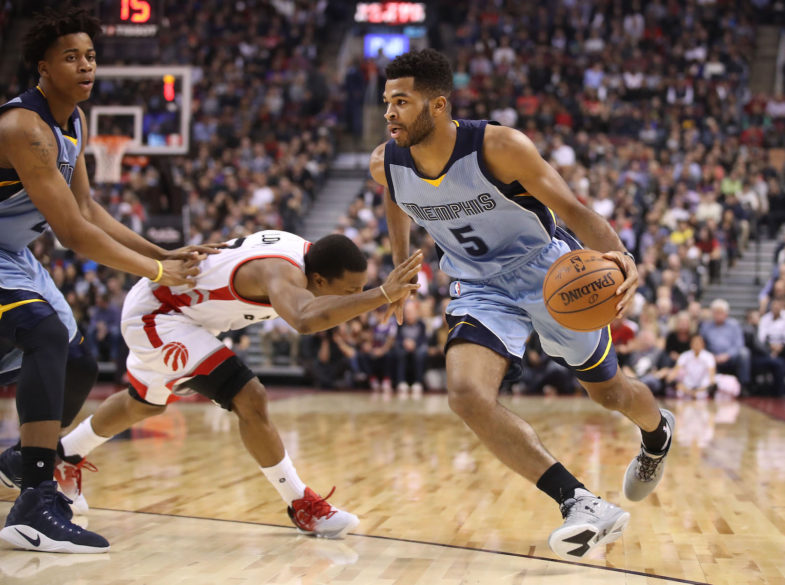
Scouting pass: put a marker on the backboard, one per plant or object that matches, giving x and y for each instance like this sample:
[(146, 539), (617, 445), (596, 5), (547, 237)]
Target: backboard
[(151, 104)]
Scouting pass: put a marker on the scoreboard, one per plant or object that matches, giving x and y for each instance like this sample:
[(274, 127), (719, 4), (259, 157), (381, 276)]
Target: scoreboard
[(132, 19)]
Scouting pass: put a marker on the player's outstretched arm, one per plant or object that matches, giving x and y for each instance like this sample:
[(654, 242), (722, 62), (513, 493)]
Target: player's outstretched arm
[(398, 225), (511, 156), (28, 144), (286, 288)]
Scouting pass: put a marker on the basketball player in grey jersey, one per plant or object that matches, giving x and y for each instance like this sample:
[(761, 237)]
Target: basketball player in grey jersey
[(44, 182), (485, 195)]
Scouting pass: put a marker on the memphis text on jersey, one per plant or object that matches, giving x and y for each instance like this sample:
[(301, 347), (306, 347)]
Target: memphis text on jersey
[(481, 203)]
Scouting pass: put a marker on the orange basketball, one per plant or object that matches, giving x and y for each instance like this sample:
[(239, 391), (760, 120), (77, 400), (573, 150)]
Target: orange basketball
[(580, 290)]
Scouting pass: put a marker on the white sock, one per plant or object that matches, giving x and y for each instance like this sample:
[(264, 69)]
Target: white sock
[(82, 439), (284, 478)]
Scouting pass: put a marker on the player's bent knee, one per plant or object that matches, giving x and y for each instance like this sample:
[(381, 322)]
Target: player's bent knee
[(466, 400), (139, 408), (251, 402), (225, 382), (41, 378), (611, 394)]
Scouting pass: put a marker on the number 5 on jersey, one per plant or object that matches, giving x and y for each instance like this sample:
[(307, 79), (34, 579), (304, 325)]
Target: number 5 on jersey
[(472, 244)]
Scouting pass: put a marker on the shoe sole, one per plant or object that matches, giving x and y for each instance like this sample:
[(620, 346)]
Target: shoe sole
[(12, 535), (585, 537), (636, 491)]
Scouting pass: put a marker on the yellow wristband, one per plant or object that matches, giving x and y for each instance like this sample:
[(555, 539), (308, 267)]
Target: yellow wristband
[(160, 271), (386, 296)]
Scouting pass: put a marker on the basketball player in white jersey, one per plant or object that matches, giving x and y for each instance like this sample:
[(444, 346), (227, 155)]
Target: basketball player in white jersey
[(490, 201), (171, 335)]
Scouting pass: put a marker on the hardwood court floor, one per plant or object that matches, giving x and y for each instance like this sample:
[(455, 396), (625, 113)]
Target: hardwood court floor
[(182, 502)]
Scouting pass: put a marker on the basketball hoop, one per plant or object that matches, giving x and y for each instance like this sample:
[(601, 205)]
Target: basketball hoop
[(108, 150)]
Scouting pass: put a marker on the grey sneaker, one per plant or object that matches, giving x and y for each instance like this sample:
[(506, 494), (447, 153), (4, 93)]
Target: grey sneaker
[(589, 522), (646, 470)]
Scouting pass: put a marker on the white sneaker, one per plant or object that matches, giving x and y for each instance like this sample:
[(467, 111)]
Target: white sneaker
[(589, 522), (313, 515), (69, 481), (646, 470)]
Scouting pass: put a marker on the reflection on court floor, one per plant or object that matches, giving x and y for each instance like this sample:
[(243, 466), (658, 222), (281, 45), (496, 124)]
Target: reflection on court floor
[(181, 501)]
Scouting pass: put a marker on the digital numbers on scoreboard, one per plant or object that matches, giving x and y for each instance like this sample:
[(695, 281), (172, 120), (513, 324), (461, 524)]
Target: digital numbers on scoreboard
[(390, 13), (130, 18)]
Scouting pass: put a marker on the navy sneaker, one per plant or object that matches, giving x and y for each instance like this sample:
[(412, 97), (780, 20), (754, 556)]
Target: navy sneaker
[(41, 520), (11, 467)]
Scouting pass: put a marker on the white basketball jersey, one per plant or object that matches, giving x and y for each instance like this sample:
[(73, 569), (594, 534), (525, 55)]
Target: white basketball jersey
[(213, 303)]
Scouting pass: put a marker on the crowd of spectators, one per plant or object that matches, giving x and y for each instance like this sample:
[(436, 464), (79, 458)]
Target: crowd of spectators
[(643, 107), (645, 110), (266, 110)]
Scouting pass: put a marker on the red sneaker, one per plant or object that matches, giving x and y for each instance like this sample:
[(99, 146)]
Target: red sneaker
[(313, 515), (69, 480)]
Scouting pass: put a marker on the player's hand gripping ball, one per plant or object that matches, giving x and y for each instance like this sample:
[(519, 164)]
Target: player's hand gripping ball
[(580, 290)]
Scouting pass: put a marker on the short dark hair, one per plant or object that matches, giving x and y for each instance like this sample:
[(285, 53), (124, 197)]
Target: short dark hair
[(52, 24), (334, 254), (431, 71)]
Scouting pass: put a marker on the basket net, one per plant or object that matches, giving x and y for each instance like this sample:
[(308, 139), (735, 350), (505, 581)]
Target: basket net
[(108, 150)]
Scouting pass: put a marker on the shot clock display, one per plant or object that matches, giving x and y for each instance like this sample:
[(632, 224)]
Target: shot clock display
[(130, 18)]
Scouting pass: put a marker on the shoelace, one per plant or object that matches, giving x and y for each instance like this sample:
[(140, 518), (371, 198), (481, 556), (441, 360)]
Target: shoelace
[(568, 505), (62, 506), (647, 466), (73, 472), (318, 507)]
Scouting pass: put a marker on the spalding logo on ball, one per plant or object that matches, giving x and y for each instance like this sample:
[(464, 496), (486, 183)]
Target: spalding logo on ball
[(580, 290)]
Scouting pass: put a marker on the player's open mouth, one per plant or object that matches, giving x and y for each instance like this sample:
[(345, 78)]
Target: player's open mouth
[(86, 84), (394, 130)]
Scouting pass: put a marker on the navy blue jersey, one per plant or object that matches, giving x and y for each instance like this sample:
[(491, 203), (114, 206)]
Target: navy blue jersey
[(482, 226), (20, 220)]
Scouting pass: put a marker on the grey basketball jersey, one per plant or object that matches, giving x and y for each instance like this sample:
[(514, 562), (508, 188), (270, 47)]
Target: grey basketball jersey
[(482, 227), (20, 220)]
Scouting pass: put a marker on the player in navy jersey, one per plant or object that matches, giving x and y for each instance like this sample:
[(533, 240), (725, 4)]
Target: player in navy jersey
[(490, 202), (44, 183)]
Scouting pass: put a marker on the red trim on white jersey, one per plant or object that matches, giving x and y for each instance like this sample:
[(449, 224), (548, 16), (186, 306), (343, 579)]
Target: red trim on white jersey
[(171, 302), (205, 367), (236, 268), (149, 328), (212, 361), (140, 388)]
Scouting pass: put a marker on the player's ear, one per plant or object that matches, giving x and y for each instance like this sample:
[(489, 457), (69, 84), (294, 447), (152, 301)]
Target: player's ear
[(439, 106), (318, 280), (43, 69)]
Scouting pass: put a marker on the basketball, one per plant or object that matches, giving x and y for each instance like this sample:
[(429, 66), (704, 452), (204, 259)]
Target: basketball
[(580, 290)]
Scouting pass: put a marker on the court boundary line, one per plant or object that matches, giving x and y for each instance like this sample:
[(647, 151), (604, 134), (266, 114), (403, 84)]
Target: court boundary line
[(424, 542)]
